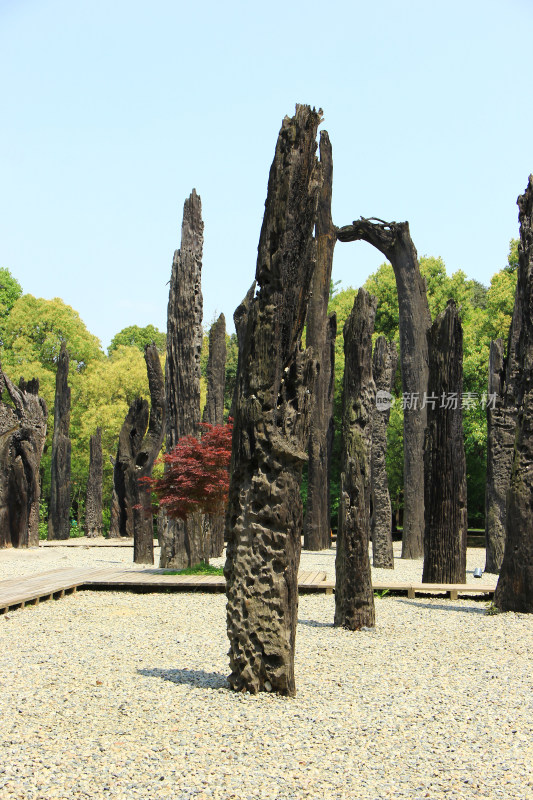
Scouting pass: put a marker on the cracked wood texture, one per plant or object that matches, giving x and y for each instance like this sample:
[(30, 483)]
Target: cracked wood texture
[(214, 415), (318, 336), (444, 457), (394, 241), (514, 591), (183, 543), (93, 501), (384, 363), (139, 444), (501, 426), (354, 596), (273, 397), (59, 510), (22, 437)]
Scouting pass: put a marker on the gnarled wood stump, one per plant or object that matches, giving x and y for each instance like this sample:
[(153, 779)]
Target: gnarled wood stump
[(22, 437), (271, 426), (184, 543)]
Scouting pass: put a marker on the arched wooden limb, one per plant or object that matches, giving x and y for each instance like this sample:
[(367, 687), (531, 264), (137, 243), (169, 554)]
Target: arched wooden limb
[(393, 239), (273, 397), (317, 518)]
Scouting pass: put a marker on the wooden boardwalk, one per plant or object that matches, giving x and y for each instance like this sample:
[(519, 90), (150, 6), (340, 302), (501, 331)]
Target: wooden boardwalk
[(54, 584)]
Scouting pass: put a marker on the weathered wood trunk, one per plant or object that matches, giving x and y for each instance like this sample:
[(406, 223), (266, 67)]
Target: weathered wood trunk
[(275, 382), (354, 596), (501, 424), (93, 502), (139, 444), (22, 436), (317, 517), (445, 464), (384, 365), (183, 543), (214, 415), (59, 509), (514, 591), (394, 241)]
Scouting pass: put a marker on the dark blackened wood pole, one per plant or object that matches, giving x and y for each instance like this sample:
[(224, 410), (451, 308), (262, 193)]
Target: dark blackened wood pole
[(317, 518), (139, 444), (354, 596), (143, 529), (59, 510), (22, 436), (273, 397), (501, 426), (384, 363), (444, 457), (183, 543), (214, 415), (93, 501), (514, 591), (394, 241)]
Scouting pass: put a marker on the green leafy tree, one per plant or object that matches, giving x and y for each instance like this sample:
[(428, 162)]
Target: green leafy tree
[(10, 291), (133, 336)]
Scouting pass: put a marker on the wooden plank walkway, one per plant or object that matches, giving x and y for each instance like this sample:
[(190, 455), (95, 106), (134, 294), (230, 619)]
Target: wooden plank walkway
[(55, 583)]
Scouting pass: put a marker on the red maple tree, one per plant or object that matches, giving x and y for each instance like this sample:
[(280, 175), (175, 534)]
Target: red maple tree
[(196, 477)]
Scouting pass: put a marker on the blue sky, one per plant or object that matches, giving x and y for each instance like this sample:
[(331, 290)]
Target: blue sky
[(112, 112)]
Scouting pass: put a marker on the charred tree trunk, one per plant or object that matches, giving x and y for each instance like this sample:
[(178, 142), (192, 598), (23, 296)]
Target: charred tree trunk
[(354, 596), (384, 365), (317, 518), (214, 415), (394, 241), (139, 444), (59, 511), (514, 591), (501, 424), (275, 382), (445, 465), (93, 503), (22, 436), (183, 543), (143, 529)]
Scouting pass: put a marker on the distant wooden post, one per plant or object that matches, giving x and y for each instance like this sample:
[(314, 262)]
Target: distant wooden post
[(93, 503), (273, 399), (59, 510)]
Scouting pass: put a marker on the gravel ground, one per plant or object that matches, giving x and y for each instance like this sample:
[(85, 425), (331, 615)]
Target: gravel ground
[(119, 695)]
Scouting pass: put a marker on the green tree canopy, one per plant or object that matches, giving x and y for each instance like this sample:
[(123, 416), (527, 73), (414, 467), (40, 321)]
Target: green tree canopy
[(133, 336), (10, 291)]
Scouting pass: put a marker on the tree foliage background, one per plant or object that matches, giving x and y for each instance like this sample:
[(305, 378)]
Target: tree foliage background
[(103, 386)]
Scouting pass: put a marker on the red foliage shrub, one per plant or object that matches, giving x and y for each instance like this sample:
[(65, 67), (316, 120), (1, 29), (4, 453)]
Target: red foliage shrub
[(196, 477)]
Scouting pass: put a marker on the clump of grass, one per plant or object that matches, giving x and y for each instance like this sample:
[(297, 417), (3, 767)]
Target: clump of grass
[(492, 610), (381, 592), (199, 569)]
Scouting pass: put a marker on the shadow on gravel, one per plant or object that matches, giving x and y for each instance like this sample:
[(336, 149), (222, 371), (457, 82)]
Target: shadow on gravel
[(314, 624), (447, 606), (194, 677)]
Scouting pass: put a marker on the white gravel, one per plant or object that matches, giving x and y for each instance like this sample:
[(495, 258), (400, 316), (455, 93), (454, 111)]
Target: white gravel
[(123, 695)]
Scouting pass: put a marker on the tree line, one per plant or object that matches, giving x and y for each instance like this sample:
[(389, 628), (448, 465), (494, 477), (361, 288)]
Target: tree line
[(104, 385)]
